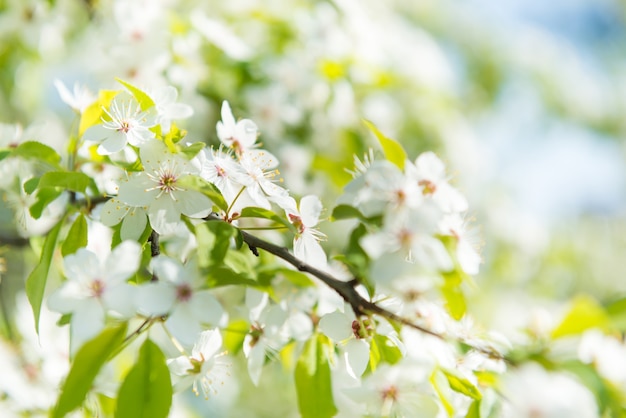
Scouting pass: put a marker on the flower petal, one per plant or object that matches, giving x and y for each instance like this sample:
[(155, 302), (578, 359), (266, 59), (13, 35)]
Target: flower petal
[(337, 326), (310, 210), (357, 355)]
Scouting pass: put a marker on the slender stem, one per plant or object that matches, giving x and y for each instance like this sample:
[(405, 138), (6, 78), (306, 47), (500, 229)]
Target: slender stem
[(234, 200)]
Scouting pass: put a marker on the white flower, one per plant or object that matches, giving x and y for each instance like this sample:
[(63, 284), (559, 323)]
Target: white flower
[(78, 99), (400, 391), (259, 170), (410, 236), (127, 124), (267, 333), (606, 353), (222, 170), (467, 256), (430, 173), (306, 242), (353, 337), (240, 136), (167, 109), (180, 295), (531, 391), (134, 218), (202, 368), (157, 191), (95, 287)]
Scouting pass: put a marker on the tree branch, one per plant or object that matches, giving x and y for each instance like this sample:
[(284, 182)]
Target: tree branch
[(346, 289)]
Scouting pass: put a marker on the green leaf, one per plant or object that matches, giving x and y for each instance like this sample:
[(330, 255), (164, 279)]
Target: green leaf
[(439, 384), (234, 335), (206, 188), (313, 382), (213, 242), (383, 351), (455, 300), (68, 180), (392, 149), (617, 312), (31, 185), (346, 212), (225, 276), (43, 198), (474, 410), (76, 237), (36, 281), (192, 150), (461, 385), (87, 363), (37, 150), (145, 101), (254, 212), (147, 389), (93, 113), (584, 313)]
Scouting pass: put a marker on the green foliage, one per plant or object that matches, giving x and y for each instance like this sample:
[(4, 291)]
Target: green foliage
[(94, 113), (36, 281), (254, 212), (313, 382), (76, 237), (214, 239), (85, 367), (474, 410), (455, 302), (145, 101), (67, 180), (355, 258), (461, 384), (234, 335), (584, 313), (394, 152), (147, 388), (37, 151), (382, 350)]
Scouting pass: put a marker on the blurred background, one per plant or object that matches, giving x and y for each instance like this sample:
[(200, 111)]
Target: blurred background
[(523, 99)]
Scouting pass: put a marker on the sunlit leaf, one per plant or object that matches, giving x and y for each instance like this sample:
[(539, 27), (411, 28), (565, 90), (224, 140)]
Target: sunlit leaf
[(92, 115), (584, 313), (37, 150), (214, 239), (234, 335), (474, 410), (313, 381), (36, 281), (461, 385), (392, 149), (254, 212), (76, 236), (147, 389), (87, 363), (145, 101), (68, 180)]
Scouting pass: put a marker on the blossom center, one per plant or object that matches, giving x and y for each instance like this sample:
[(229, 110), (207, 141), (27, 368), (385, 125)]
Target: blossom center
[(124, 126), (183, 293), (362, 329), (428, 186), (390, 393), (96, 287), (297, 222)]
